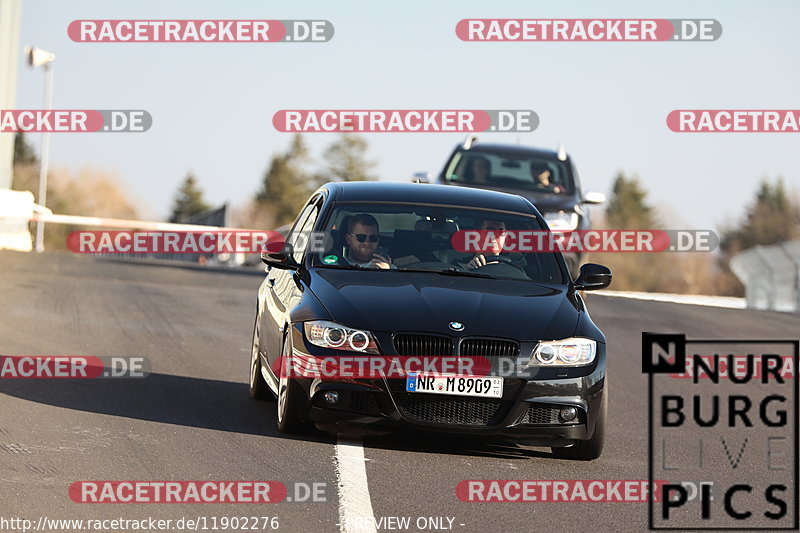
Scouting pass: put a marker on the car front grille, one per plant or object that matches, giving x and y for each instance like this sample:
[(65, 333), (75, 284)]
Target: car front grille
[(418, 345), (488, 348), (451, 410), (421, 345)]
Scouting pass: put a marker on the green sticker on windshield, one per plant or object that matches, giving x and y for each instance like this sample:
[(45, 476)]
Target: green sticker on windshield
[(330, 259)]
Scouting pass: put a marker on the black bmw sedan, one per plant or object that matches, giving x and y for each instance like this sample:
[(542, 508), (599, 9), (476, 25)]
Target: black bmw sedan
[(371, 309)]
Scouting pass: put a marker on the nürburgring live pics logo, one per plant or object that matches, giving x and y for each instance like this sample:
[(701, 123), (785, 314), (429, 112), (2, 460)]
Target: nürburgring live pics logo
[(723, 430)]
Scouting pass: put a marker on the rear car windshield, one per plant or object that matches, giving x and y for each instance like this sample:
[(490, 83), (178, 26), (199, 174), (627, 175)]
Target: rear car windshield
[(511, 171), (421, 238)]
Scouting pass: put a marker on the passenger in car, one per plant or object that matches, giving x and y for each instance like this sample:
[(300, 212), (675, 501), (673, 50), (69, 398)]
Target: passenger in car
[(362, 240), (541, 177), (478, 170)]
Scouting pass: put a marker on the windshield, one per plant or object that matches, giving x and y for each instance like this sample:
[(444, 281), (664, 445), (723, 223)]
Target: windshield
[(410, 237), (509, 171)]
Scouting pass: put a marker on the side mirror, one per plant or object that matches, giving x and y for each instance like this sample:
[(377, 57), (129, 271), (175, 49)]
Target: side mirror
[(594, 197), (593, 277), (282, 258)]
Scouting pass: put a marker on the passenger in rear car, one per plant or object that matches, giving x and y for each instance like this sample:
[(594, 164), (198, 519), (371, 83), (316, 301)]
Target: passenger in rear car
[(541, 177), (478, 170)]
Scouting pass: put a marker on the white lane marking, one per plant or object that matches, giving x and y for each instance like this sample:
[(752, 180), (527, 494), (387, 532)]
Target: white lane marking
[(690, 299), (355, 505)]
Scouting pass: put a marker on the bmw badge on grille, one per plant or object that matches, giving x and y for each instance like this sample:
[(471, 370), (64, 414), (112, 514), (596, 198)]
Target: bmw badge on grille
[(456, 326)]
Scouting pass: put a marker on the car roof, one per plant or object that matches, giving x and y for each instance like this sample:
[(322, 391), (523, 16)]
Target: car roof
[(425, 193), (514, 150)]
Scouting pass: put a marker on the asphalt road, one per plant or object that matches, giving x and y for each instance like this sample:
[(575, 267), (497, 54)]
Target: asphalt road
[(192, 418)]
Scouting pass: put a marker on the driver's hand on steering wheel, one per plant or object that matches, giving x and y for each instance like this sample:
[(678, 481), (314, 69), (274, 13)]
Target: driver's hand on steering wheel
[(478, 261)]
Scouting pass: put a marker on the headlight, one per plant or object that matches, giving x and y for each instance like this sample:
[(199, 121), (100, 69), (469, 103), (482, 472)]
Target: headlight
[(562, 221), (569, 352), (333, 335)]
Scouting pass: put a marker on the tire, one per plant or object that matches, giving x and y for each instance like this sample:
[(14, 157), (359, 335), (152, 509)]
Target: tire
[(259, 389), (588, 450), (292, 405)]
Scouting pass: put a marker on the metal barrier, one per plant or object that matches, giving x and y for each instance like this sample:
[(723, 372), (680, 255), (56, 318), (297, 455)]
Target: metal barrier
[(211, 218), (19, 210), (771, 276)]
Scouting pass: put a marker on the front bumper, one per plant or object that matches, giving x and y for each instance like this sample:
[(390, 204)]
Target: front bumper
[(528, 411)]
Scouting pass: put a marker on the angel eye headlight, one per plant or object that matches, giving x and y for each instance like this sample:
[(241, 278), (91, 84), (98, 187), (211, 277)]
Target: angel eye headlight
[(567, 352), (546, 355), (359, 341), (332, 335)]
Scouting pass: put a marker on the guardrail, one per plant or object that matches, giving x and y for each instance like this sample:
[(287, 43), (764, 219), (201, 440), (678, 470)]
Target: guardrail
[(771, 276), (17, 210)]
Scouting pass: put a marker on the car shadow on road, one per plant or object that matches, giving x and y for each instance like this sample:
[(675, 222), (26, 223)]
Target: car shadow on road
[(180, 400), (224, 406), (454, 445)]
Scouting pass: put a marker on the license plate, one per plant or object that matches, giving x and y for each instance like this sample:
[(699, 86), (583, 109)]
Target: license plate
[(486, 387)]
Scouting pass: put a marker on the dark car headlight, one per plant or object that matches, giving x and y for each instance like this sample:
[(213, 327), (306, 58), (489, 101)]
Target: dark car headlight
[(574, 351), (337, 337)]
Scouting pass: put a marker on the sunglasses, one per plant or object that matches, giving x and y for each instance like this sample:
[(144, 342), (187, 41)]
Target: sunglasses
[(362, 237), (501, 229)]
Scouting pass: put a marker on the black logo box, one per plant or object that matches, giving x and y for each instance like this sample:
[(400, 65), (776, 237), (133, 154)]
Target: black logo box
[(678, 365)]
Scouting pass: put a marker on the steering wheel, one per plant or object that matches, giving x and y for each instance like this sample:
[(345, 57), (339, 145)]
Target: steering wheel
[(495, 259), (500, 259)]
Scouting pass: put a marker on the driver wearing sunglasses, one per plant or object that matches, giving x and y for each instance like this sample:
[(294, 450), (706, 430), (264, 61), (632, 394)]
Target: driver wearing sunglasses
[(362, 239)]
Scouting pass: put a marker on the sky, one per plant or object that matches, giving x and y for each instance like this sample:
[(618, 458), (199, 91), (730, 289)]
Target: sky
[(212, 104)]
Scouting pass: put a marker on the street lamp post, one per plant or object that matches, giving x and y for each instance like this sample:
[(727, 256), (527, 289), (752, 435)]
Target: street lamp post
[(37, 57)]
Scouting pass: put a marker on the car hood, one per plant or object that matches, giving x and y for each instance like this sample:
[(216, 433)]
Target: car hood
[(408, 301)]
